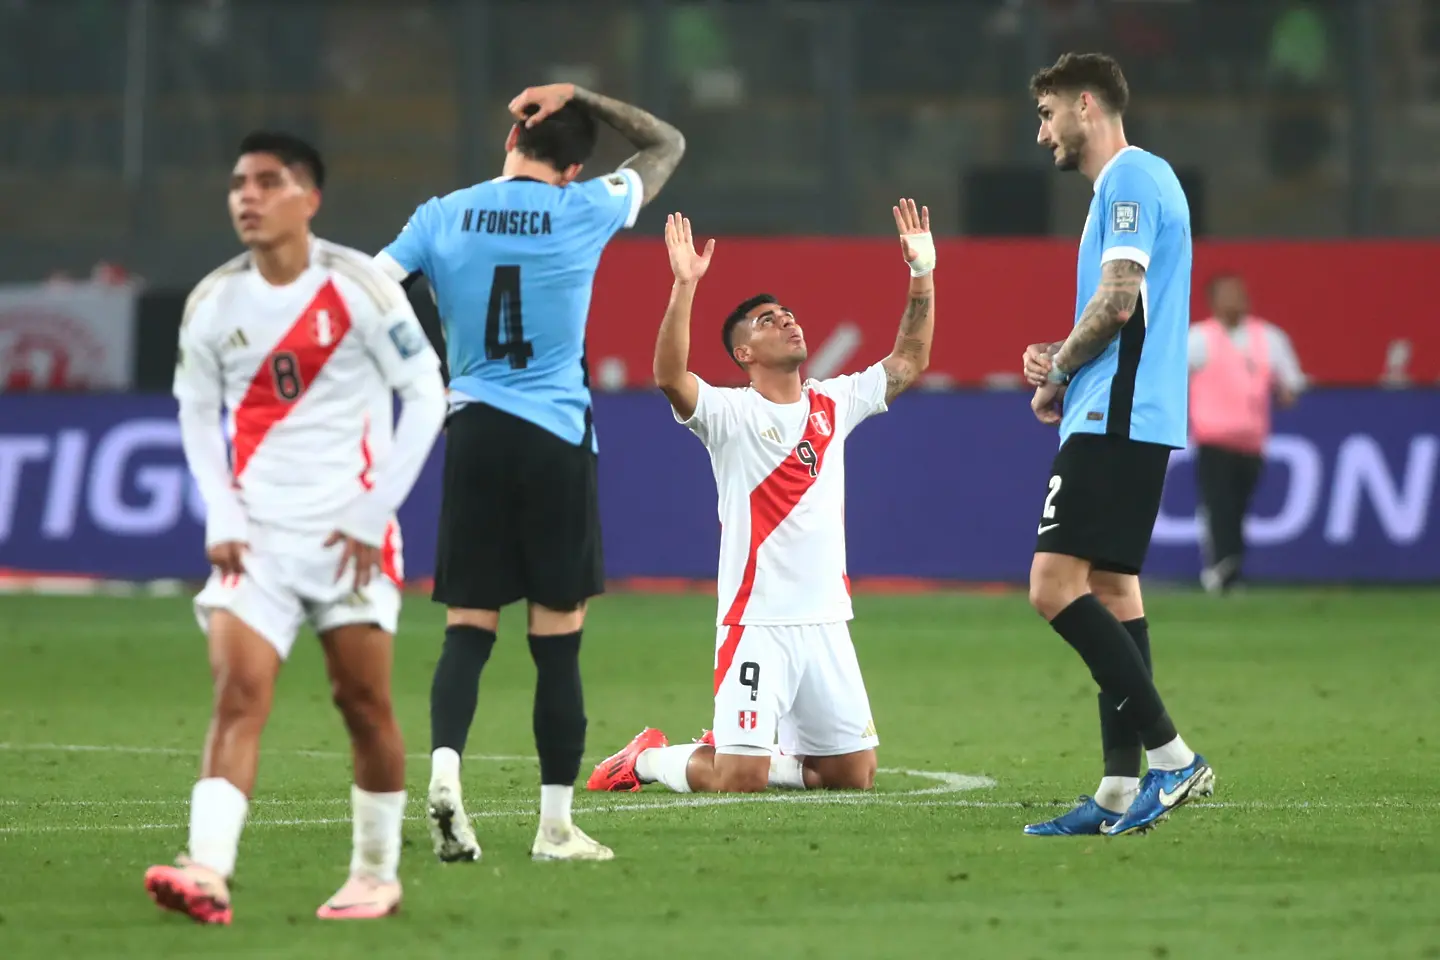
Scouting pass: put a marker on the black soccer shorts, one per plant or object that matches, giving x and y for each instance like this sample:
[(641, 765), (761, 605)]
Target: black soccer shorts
[(1102, 500), (519, 515)]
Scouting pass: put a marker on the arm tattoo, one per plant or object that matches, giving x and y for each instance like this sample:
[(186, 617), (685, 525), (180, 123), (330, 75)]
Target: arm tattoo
[(912, 346), (661, 146), (1113, 304)]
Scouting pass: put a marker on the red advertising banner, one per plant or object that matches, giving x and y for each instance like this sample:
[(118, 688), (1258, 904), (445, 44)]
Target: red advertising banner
[(1354, 311)]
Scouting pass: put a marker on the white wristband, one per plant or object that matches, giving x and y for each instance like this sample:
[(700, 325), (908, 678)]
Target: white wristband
[(923, 246)]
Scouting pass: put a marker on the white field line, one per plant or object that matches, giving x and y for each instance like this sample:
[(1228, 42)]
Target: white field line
[(943, 783)]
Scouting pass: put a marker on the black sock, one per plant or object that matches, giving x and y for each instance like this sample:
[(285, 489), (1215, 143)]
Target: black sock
[(1115, 663), (559, 707), (457, 684), (1118, 738)]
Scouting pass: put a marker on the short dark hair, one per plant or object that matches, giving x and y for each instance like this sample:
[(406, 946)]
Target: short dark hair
[(565, 137), (1094, 72), (737, 317), (290, 149)]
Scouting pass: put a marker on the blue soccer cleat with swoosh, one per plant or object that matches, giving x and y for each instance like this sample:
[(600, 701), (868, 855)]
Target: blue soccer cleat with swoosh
[(1087, 819), (1164, 790)]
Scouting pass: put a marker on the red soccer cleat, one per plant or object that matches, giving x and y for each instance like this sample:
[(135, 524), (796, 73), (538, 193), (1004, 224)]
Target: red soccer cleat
[(616, 774), (707, 738)]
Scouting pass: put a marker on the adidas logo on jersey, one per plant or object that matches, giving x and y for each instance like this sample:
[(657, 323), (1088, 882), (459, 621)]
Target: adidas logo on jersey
[(237, 339), (770, 433)]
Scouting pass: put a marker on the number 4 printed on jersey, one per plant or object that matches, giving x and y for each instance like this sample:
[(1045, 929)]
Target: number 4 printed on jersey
[(505, 309)]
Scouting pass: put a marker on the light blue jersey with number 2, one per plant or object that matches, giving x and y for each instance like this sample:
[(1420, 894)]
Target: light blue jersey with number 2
[(511, 262), (1138, 387)]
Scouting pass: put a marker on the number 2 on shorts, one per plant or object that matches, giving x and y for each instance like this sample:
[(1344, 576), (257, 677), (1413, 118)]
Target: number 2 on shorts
[(1049, 512)]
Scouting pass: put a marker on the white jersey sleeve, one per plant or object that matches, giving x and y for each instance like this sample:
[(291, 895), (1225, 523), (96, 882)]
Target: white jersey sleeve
[(199, 390), (717, 414), (197, 365), (858, 396)]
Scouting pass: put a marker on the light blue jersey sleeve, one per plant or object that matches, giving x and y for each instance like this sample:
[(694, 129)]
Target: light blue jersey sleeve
[(1132, 214), (612, 202), (410, 251)]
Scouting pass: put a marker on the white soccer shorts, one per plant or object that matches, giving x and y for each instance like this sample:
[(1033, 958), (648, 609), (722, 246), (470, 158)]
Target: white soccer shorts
[(289, 579), (801, 684)]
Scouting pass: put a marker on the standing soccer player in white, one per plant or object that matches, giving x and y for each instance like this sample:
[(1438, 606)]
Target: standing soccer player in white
[(784, 663), (303, 342)]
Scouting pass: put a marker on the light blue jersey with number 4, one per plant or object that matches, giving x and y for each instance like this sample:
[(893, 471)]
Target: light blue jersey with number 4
[(1138, 387), (511, 262)]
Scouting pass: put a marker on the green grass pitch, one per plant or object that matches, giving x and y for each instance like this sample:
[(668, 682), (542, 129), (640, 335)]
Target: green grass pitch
[(1318, 710)]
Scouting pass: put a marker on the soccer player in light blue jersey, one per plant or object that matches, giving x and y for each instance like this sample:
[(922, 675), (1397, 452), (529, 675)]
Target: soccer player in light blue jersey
[(1118, 388), (511, 262)]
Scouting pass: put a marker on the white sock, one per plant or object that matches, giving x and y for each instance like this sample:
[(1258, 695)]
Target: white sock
[(378, 817), (666, 765), (217, 815), (1172, 756), (555, 803), (786, 771), (1117, 793), (445, 765)]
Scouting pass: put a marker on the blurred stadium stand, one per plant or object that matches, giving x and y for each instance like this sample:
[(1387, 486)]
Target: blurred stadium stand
[(117, 117)]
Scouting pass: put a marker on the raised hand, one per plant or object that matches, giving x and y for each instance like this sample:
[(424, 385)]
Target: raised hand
[(688, 265), (548, 99), (914, 227)]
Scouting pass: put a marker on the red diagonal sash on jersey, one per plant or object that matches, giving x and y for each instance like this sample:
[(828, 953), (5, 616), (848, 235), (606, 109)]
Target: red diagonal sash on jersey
[(770, 503), (288, 371)]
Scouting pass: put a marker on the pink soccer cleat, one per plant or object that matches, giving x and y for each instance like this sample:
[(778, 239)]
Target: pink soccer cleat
[(198, 892), (362, 898), (617, 773)]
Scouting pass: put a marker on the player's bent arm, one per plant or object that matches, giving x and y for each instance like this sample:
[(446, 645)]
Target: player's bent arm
[(911, 355), (661, 145), (672, 352), (199, 390), (422, 414), (1108, 311)]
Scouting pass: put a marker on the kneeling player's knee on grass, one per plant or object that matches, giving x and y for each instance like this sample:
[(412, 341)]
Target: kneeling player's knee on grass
[(736, 774), (849, 772)]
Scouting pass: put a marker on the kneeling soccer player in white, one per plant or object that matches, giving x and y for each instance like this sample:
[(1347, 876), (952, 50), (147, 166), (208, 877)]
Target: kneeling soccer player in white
[(304, 343), (784, 664)]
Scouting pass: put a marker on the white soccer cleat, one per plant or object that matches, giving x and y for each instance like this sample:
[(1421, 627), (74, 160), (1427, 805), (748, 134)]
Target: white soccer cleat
[(567, 842), (362, 898), (450, 829)]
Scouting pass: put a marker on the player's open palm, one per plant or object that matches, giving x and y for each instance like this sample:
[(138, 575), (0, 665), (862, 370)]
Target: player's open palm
[(912, 222), (688, 265)]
